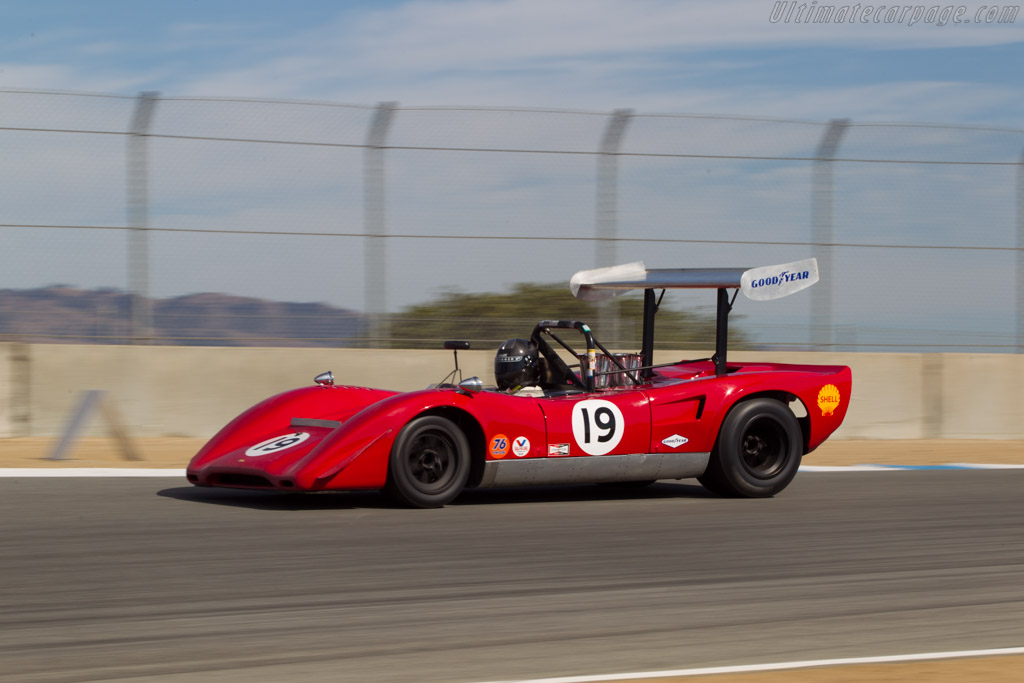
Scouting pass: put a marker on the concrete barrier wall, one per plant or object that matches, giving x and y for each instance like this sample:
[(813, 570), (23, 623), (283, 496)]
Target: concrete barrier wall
[(193, 391), (6, 391)]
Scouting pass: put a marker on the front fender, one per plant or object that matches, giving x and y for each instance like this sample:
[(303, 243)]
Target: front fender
[(356, 455), (274, 415)]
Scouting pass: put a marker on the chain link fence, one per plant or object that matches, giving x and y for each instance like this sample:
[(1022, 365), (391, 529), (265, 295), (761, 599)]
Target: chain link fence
[(158, 219)]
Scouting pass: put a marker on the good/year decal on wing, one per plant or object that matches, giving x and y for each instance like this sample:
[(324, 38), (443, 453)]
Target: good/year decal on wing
[(597, 426), (278, 443)]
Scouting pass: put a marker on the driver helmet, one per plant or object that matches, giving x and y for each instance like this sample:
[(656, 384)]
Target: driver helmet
[(517, 364)]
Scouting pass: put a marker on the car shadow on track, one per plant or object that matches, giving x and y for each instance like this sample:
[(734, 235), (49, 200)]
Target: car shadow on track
[(568, 494), (274, 500), (332, 500)]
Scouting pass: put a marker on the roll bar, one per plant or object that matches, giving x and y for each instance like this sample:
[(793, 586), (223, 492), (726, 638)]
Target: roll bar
[(587, 368)]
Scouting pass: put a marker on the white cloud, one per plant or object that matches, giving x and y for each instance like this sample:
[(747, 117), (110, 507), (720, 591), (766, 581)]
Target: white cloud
[(593, 54), (912, 101), (13, 75), (601, 54), (453, 35)]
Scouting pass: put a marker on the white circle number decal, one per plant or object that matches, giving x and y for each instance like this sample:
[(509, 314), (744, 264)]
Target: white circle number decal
[(278, 443), (597, 426)]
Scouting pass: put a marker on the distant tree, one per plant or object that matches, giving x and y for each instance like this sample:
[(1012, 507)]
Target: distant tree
[(488, 319)]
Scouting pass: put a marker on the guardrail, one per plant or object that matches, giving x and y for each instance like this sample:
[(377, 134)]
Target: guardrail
[(194, 391)]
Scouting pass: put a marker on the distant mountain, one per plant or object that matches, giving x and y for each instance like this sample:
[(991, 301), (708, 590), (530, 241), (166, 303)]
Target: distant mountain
[(103, 316)]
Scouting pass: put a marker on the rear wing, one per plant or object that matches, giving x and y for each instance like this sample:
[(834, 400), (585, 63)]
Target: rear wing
[(760, 284)]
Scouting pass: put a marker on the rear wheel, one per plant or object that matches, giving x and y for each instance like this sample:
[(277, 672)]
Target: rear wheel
[(758, 451), (429, 463)]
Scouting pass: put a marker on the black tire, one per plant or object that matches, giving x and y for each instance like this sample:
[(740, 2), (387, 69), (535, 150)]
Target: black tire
[(429, 463), (758, 451), (713, 481)]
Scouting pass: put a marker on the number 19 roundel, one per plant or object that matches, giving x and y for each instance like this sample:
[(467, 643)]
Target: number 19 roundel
[(278, 443), (597, 426)]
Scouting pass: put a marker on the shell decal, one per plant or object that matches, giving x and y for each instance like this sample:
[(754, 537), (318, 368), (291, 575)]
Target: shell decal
[(828, 399)]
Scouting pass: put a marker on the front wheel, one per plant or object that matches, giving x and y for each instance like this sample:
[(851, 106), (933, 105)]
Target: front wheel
[(758, 451), (429, 463)]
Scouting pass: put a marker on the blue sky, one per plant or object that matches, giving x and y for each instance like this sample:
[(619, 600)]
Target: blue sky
[(652, 55)]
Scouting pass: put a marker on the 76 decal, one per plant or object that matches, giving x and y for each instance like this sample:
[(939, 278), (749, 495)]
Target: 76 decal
[(597, 426)]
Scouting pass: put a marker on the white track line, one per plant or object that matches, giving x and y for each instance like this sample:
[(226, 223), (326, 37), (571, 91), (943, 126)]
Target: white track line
[(749, 668), (90, 472), (842, 468), (901, 468)]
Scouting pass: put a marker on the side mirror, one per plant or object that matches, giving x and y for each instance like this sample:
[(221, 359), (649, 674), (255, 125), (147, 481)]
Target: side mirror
[(325, 379), (470, 386)]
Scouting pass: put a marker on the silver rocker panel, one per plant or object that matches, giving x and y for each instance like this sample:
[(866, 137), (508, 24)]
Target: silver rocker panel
[(593, 469)]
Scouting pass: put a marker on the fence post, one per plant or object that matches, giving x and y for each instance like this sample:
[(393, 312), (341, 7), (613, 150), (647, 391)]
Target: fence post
[(1020, 254), (606, 252), (822, 237), (375, 219), (138, 217), (19, 398)]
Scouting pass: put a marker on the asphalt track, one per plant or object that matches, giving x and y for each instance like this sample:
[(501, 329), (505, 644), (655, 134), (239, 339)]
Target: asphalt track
[(149, 579)]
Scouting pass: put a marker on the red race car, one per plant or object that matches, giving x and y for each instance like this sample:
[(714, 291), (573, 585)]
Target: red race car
[(558, 415)]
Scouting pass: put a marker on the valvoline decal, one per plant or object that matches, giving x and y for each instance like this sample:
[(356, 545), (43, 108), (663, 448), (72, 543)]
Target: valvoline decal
[(521, 446)]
